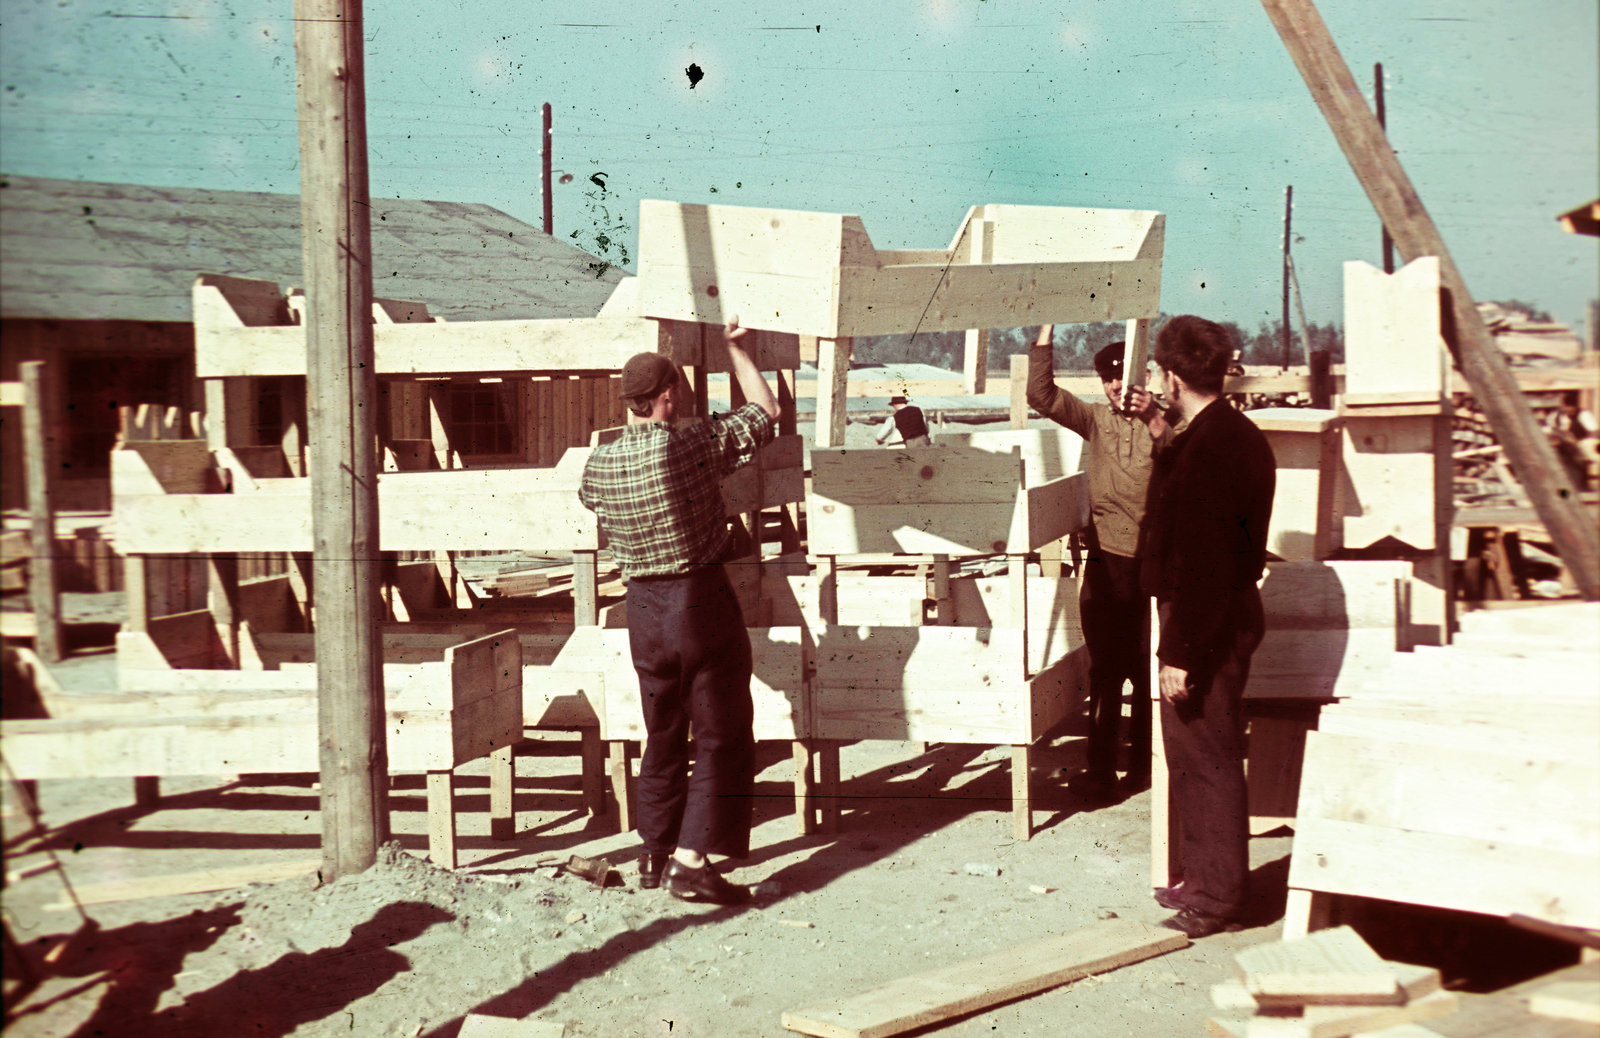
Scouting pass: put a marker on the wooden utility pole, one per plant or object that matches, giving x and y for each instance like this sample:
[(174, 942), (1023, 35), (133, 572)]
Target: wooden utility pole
[(1383, 124), (1333, 87), (335, 212), (549, 191), (38, 451), (1288, 213)]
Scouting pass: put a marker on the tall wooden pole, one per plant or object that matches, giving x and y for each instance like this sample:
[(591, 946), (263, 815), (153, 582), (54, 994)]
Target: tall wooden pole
[(1383, 124), (342, 394), (549, 191), (1288, 214), (1334, 89), (38, 451)]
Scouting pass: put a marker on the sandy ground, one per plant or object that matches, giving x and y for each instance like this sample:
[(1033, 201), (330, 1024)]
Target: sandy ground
[(408, 949)]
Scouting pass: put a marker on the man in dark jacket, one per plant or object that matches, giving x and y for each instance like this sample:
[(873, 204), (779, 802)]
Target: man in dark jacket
[(1202, 551), (906, 419)]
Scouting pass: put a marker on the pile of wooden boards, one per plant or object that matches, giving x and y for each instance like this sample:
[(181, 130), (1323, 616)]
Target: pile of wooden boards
[(1327, 985), (1462, 777)]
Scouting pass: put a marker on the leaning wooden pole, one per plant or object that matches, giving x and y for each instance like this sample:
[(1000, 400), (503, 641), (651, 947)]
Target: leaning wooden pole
[(342, 394), (38, 449), (1401, 210)]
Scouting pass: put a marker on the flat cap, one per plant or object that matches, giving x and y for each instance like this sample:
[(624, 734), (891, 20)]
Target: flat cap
[(647, 374)]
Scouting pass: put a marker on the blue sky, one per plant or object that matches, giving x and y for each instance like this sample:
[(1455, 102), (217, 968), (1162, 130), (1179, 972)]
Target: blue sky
[(905, 113)]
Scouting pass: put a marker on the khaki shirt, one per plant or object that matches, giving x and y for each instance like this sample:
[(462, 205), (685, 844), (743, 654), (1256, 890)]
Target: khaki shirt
[(1121, 453)]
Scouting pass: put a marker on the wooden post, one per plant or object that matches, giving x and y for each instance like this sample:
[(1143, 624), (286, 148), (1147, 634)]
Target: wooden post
[(549, 191), (1386, 243), (622, 783), (804, 817), (1164, 861), (975, 355), (1321, 379), (1021, 802), (585, 588), (1019, 391), (1392, 195), (594, 793), (833, 372), (38, 439), (503, 792), (827, 751), (1135, 355), (1288, 219), (335, 216)]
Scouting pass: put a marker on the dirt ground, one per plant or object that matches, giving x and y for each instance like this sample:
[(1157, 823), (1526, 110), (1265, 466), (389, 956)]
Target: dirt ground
[(923, 873)]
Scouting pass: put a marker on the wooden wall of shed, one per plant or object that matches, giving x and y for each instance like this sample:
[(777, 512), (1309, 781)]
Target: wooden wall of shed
[(84, 405)]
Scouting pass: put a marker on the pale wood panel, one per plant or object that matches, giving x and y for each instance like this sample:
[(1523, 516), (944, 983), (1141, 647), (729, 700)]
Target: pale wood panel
[(776, 685), (1483, 733), (1393, 345), (933, 297), (951, 658), (162, 746), (993, 716), (934, 499), (817, 274), (1456, 872), (1501, 798), (1046, 453), (568, 344), (1050, 512), (1394, 469)]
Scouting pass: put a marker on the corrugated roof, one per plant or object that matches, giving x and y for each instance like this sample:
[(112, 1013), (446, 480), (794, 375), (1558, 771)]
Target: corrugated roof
[(79, 250)]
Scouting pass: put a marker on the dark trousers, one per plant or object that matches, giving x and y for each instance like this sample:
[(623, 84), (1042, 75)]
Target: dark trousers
[(692, 654), (1204, 736), (1116, 627)]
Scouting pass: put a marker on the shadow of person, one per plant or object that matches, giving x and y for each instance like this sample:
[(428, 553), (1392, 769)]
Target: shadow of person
[(137, 961), (274, 1000)]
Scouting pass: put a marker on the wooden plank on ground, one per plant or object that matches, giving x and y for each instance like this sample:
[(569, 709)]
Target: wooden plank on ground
[(1329, 965), (1568, 1000), (478, 1026), (966, 987), (185, 883)]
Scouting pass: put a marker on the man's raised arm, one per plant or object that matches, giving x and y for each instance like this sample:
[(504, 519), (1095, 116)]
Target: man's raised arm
[(754, 386)]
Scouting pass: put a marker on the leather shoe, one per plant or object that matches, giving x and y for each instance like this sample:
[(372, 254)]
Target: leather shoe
[(1197, 924), (650, 868), (702, 884), (1170, 897)]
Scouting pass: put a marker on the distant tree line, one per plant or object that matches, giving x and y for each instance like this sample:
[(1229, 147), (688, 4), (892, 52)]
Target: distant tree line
[(1076, 344)]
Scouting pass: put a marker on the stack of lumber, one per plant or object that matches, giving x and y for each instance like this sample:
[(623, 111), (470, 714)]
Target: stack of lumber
[(1327, 985), (1463, 777)]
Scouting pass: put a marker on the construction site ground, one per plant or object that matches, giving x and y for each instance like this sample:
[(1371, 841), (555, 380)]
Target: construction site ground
[(924, 872)]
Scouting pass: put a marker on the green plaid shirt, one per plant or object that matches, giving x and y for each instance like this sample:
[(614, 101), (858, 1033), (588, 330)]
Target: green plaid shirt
[(655, 489)]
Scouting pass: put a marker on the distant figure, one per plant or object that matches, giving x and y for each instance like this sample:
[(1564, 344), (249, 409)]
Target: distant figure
[(1116, 614), (907, 419), (654, 492), (1202, 550)]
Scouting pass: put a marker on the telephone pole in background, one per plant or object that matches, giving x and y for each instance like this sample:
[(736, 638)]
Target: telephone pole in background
[(549, 193), (1288, 212), (1383, 124), (336, 225)]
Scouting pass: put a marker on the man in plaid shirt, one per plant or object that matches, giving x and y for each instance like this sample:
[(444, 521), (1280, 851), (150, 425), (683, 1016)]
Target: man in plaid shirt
[(655, 492)]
